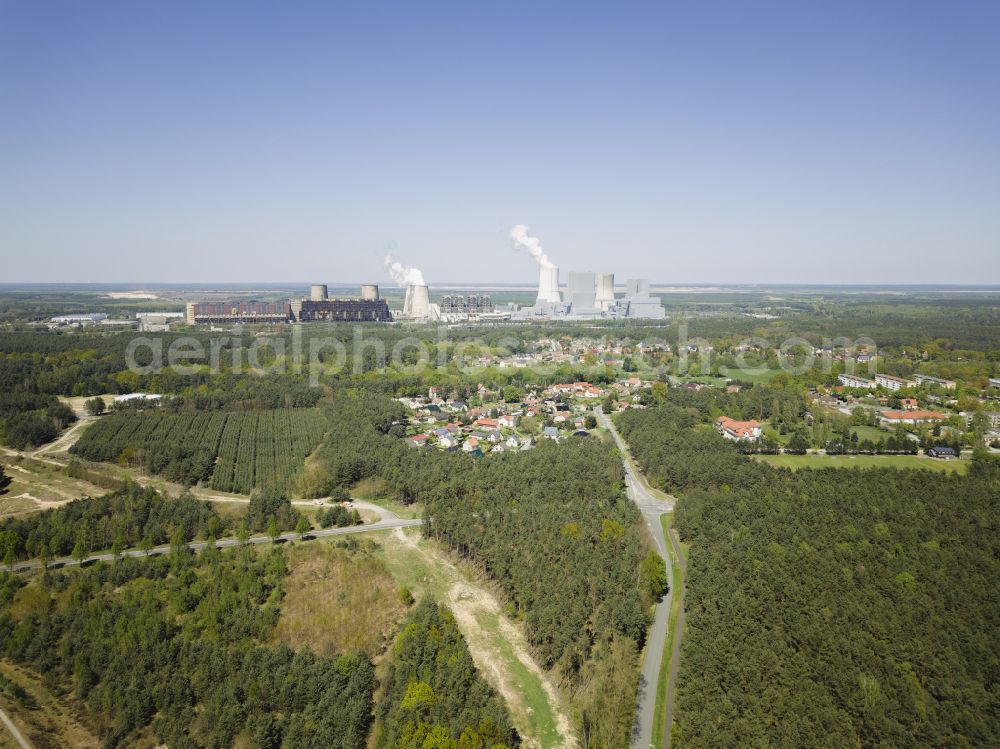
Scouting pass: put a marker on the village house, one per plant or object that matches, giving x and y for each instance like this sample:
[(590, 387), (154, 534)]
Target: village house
[(911, 417), (947, 453), (738, 430)]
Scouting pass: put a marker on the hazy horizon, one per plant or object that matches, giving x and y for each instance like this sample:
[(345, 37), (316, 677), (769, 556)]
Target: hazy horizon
[(773, 143)]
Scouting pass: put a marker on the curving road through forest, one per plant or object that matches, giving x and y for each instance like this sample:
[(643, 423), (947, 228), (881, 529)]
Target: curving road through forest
[(651, 509)]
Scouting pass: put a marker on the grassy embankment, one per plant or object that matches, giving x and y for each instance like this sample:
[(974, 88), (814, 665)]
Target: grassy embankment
[(668, 649), (497, 647)]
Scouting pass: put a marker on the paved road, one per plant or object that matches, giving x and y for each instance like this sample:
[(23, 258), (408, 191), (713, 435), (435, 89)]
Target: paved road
[(651, 509), (22, 742), (384, 524)]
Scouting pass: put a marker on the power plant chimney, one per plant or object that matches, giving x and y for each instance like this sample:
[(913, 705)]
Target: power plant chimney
[(317, 292), (369, 292), (548, 285), (417, 304), (605, 291)]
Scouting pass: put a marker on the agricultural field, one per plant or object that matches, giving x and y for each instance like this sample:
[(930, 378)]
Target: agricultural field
[(232, 451)]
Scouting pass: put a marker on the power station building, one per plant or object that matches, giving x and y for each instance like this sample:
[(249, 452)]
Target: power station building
[(638, 302), (473, 304), (340, 310), (317, 307), (320, 308), (231, 313), (590, 296)]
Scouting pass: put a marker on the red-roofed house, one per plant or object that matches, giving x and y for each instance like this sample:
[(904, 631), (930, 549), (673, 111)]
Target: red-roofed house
[(911, 417), (417, 440), (738, 430)]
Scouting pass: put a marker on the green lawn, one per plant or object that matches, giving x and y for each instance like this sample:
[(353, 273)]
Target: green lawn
[(703, 379), (864, 461), (781, 439), (871, 433), (755, 378)]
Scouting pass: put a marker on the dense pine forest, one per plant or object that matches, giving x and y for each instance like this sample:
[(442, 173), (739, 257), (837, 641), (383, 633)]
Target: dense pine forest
[(829, 607), (180, 647), (31, 419), (432, 694), (120, 520)]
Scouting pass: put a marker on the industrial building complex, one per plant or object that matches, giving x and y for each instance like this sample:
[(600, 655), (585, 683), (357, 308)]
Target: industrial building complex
[(590, 296), (587, 296), (318, 307)]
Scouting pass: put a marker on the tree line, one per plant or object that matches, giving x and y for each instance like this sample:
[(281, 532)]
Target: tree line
[(31, 419), (126, 518)]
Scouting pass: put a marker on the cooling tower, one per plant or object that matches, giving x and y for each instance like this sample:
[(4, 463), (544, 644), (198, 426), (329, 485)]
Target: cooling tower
[(369, 291), (637, 288), (605, 290), (317, 292), (548, 285), (581, 291), (417, 304)]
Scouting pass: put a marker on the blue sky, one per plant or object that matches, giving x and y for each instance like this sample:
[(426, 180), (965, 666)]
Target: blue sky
[(730, 142)]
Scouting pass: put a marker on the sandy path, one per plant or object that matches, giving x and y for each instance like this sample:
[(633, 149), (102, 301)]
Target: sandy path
[(466, 600)]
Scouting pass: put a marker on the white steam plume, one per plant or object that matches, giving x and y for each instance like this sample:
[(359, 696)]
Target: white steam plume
[(403, 275), (522, 240)]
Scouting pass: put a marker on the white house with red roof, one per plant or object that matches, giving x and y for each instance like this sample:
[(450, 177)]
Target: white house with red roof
[(738, 430)]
